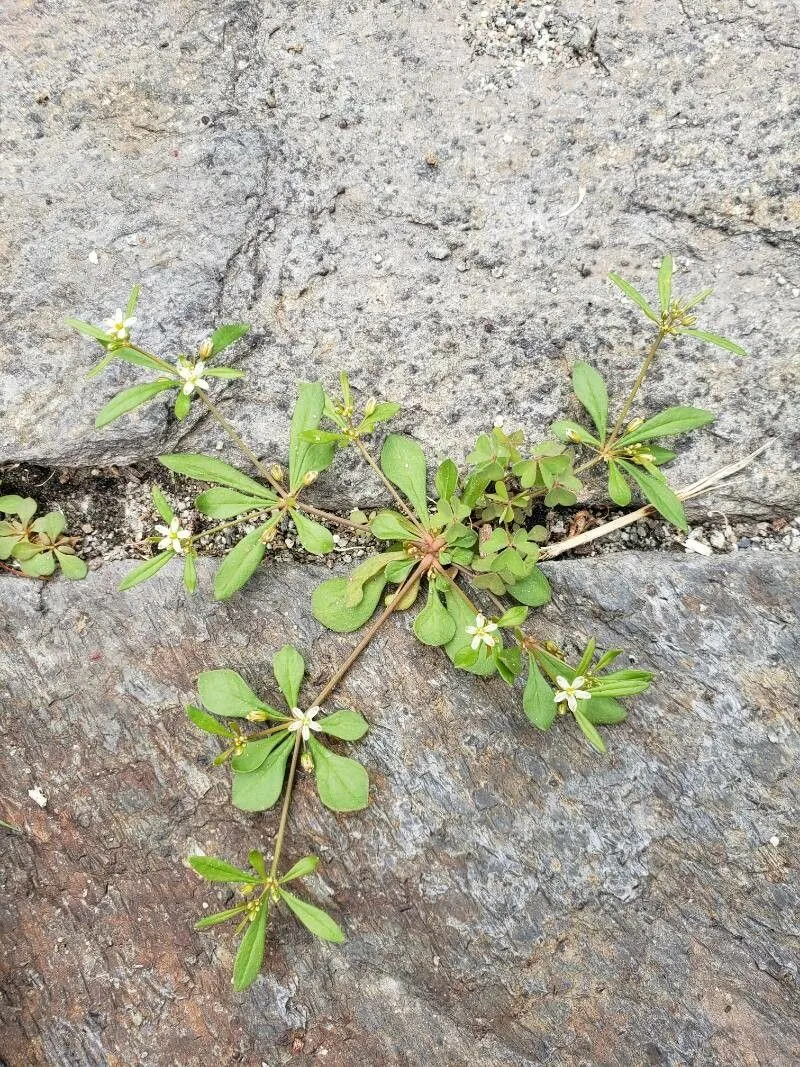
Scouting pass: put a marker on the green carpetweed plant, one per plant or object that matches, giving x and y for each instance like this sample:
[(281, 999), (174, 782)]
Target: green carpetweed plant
[(37, 546), (465, 554)]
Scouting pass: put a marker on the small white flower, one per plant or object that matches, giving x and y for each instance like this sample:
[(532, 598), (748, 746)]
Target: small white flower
[(304, 721), (482, 632), (571, 691), (192, 374), (172, 537), (119, 326)]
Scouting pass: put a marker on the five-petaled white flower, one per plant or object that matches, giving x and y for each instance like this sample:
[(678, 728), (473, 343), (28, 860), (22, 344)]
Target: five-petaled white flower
[(571, 691), (172, 537), (304, 721), (119, 326), (482, 632), (192, 374)]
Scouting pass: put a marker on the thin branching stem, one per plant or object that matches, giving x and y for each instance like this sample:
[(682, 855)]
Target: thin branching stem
[(276, 854), (415, 576), (626, 407), (395, 495)]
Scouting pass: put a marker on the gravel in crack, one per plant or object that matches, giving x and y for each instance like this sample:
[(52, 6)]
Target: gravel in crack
[(112, 511)]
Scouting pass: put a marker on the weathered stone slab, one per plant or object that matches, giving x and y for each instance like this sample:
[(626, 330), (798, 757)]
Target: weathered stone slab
[(510, 897), (395, 190)]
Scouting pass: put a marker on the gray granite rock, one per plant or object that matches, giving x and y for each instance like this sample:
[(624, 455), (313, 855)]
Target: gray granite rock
[(510, 897), (396, 190)]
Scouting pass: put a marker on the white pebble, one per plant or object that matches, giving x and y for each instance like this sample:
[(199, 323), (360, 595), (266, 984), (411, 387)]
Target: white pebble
[(37, 796)]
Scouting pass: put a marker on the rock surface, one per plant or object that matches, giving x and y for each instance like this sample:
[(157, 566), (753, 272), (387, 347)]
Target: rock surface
[(510, 897), (427, 195)]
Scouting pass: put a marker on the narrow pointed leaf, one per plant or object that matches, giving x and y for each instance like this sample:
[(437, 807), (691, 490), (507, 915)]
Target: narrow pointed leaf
[(403, 463), (537, 698), (218, 917), (251, 951), (241, 563), (314, 919), (304, 456), (145, 570), (666, 423), (618, 488), (591, 390), (715, 339), (203, 721), (665, 282), (129, 399), (288, 666), (217, 870), (634, 295), (658, 493), (226, 335), (589, 732), (210, 469), (307, 865)]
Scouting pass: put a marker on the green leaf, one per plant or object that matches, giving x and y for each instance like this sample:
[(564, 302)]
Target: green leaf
[(288, 666), (259, 790), (183, 404), (537, 699), (346, 725), (257, 862), (665, 282), (145, 570), (591, 390), (251, 951), (227, 374), (434, 625), (241, 562), (138, 359), (589, 732), (210, 469), (38, 566), (533, 590), (567, 430), (226, 335), (129, 399), (715, 339), (161, 504), (553, 666), (72, 566), (392, 526), (305, 866), (207, 723), (216, 870), (51, 525), (256, 752), (446, 479), (221, 503), (634, 295), (87, 329), (313, 536), (669, 422), (303, 455), (381, 413), (190, 573), (329, 603), (403, 463), (513, 617), (226, 693), (24, 507), (368, 569), (314, 919), (587, 657), (618, 488), (133, 300), (218, 917), (460, 611), (658, 493), (603, 710), (342, 784)]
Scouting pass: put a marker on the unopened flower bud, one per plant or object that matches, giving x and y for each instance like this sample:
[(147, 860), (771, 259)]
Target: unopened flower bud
[(256, 716), (372, 403), (268, 536), (310, 477), (206, 349), (307, 762), (572, 435), (634, 424), (276, 472)]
